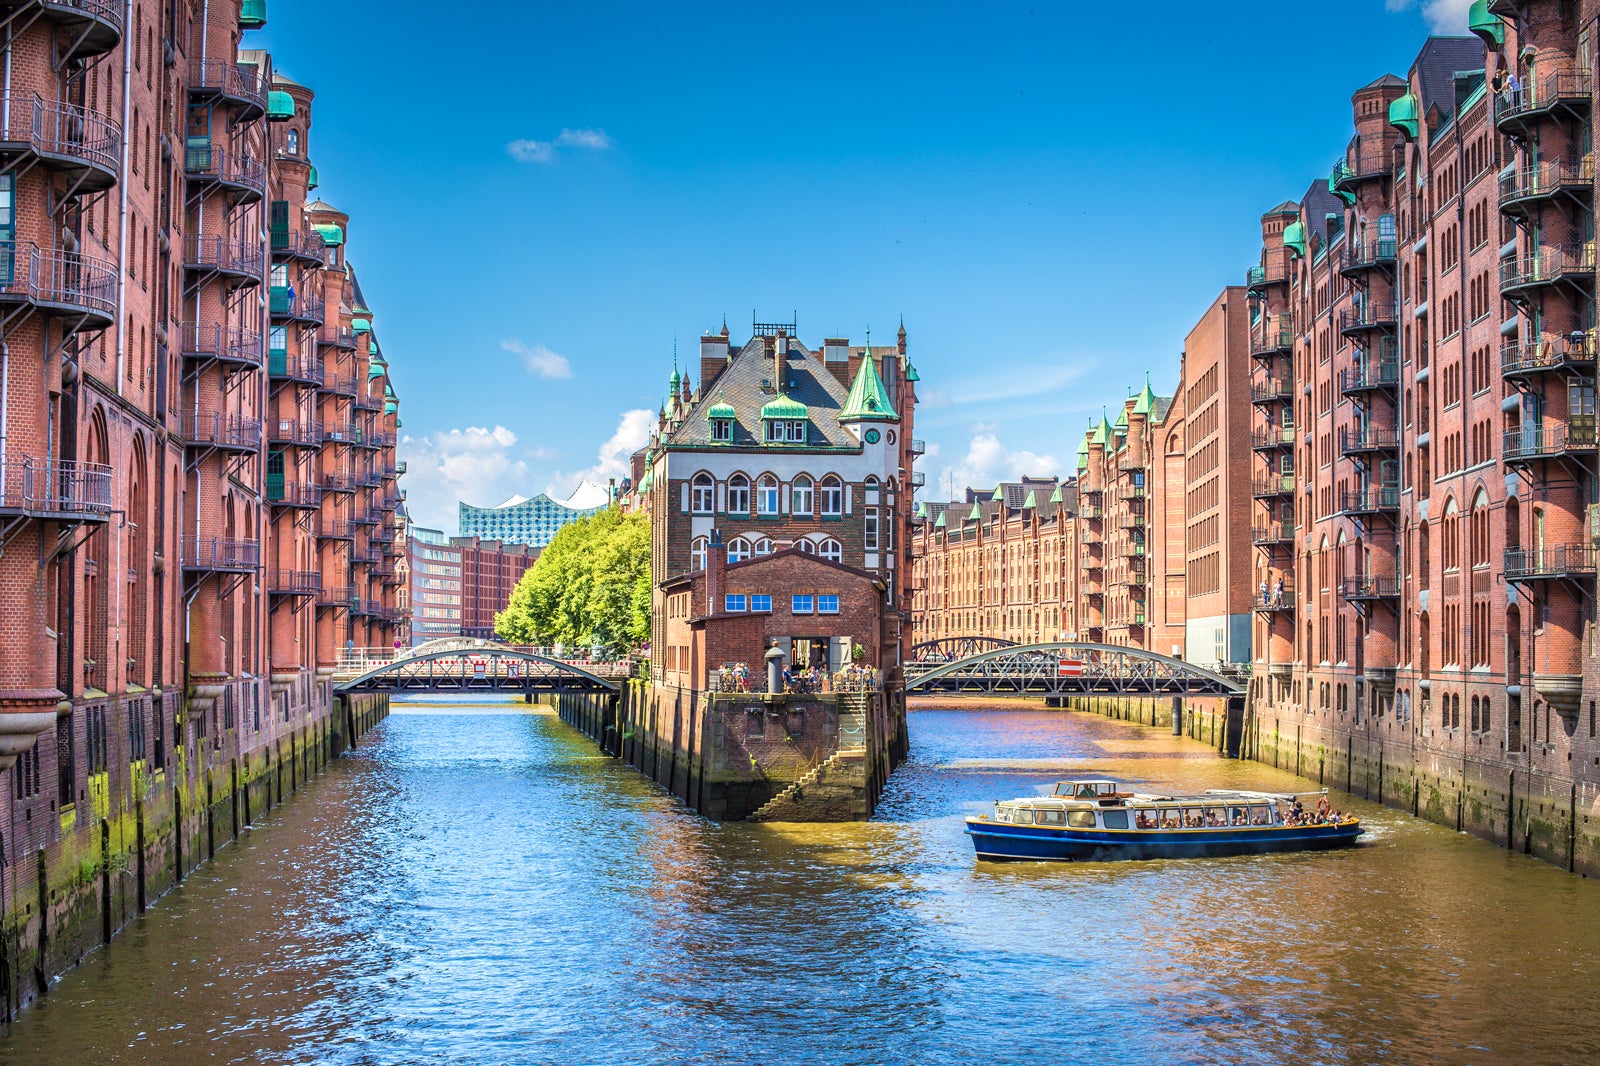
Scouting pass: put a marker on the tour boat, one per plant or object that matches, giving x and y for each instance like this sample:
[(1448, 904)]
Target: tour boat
[(1097, 819)]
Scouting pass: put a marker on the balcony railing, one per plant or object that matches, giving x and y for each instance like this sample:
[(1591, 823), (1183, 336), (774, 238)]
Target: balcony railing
[(1524, 186), (234, 432), (306, 244), (1274, 599), (1261, 275), (1373, 374), (1276, 485), (337, 482), (1272, 437), (58, 281), (1372, 500), (224, 344), (1515, 110), (225, 255), (1563, 560), (294, 583), (305, 369), (1371, 587), (240, 173), (399, 468), (342, 596), (917, 447), (1549, 353), (1271, 390), (339, 384), (284, 492), (1571, 265), (62, 489), (341, 433), (337, 337), (1368, 439), (61, 136), (1546, 442), (1375, 314), (300, 433), (1369, 255), (223, 554), (1271, 337), (1274, 533), (244, 84), (97, 24), (286, 303), (336, 529)]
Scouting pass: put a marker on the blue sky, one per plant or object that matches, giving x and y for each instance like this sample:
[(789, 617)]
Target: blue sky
[(544, 196)]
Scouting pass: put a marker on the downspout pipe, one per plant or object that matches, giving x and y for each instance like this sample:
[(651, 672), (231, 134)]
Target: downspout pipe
[(122, 202)]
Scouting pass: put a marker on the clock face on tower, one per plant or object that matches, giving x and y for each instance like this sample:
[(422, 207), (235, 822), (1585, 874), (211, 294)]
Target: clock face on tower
[(872, 436)]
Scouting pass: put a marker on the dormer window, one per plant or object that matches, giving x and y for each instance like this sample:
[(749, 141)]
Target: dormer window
[(786, 431), (721, 417)]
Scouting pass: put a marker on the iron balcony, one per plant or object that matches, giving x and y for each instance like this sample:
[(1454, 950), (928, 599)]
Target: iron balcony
[(305, 245), (1271, 390), (227, 432), (1373, 315), (1374, 374), (917, 447), (77, 142), (61, 490), (338, 337), (339, 385), (1368, 439), (216, 343), (300, 369), (1521, 276), (336, 529), (368, 403), (1535, 443), (1271, 339), (295, 306), (1550, 563), (1372, 255), (243, 85), (295, 493), (295, 432), (93, 26), (221, 554), (1368, 587), (1259, 277), (1517, 112), (242, 178), (1574, 352), (341, 433), (337, 482), (59, 283), (1383, 499), (239, 260), (1271, 438), (1272, 535), (1277, 485), (1521, 191), (1365, 160), (1272, 603), (366, 517), (338, 596), (296, 583)]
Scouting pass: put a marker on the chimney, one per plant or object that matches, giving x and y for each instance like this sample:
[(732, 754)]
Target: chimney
[(716, 565), (836, 357), (713, 357), (780, 362)]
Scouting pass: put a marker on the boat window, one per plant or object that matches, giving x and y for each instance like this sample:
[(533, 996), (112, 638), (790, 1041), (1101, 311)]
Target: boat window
[(1260, 815), (1216, 816), (1086, 791), (1115, 819), (1171, 818), (1080, 819), (1002, 814), (1049, 817), (1022, 816), (1193, 818), (1238, 816)]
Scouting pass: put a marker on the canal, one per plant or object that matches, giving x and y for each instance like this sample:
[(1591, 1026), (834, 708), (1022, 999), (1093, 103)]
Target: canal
[(476, 885)]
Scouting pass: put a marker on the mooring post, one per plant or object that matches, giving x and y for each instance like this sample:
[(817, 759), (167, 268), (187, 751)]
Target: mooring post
[(1177, 716)]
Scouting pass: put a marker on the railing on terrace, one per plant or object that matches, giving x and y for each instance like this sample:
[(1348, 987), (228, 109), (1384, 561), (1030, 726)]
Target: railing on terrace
[(917, 447), (58, 278), (286, 492), (300, 243), (301, 432), (1372, 500), (1548, 562), (48, 487), (1371, 587), (306, 369), (1536, 442), (1548, 266), (1274, 533), (1370, 254), (1272, 336), (1272, 437), (1570, 87), (337, 337), (1270, 390), (1368, 439), (1373, 374), (220, 553), (1547, 179), (229, 344), (223, 430), (227, 167), (1374, 314), (1277, 485), (245, 82), (224, 254), (59, 131), (285, 303), (294, 582), (1548, 353), (1271, 273)]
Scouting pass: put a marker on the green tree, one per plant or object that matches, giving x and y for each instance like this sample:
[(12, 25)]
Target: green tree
[(591, 585)]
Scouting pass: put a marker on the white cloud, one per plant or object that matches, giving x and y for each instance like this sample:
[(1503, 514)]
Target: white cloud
[(1442, 16), (611, 461), (539, 360), (478, 465), (986, 462), (527, 150)]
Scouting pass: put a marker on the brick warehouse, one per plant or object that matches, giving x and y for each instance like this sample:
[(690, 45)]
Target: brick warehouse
[(1421, 457), (197, 473)]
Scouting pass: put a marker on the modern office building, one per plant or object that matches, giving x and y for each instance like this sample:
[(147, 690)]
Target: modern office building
[(435, 590), (532, 522)]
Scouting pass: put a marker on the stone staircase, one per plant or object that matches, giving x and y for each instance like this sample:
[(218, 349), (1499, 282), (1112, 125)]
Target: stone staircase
[(824, 777)]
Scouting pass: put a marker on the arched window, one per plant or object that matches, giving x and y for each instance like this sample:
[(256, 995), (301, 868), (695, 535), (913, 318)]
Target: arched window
[(1450, 535), (800, 496), (806, 547), (702, 494), (832, 496), (697, 554), (293, 142), (830, 550), (738, 495), (1480, 529), (767, 495), (762, 546), (738, 550)]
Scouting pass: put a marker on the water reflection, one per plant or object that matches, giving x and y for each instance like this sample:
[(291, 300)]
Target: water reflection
[(480, 887)]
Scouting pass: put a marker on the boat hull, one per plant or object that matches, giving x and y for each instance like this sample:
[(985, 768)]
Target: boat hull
[(1003, 842)]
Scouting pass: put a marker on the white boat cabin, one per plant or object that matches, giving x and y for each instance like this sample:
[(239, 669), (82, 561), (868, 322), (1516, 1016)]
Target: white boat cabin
[(1100, 804)]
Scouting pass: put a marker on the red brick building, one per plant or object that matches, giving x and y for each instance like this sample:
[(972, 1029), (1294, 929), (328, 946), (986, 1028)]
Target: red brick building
[(490, 570)]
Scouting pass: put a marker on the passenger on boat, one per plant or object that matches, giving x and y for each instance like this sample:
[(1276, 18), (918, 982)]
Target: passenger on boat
[(1141, 822)]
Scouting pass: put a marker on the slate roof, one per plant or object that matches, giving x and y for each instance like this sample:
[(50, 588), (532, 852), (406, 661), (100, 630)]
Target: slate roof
[(1435, 68), (740, 386)]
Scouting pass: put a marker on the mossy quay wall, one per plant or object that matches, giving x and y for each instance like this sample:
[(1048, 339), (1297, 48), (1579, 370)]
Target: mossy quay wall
[(69, 886), (1499, 798)]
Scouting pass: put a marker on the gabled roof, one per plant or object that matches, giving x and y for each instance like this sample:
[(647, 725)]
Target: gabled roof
[(868, 400), (781, 406), (1145, 402), (746, 386)]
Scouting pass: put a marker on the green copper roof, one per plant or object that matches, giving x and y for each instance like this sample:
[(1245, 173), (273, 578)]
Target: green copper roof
[(938, 523), (922, 509), (390, 408), (388, 392), (1488, 27), (976, 515), (998, 494), (311, 182), (361, 325), (331, 234), (783, 407), (1294, 237), (280, 105), (1030, 502), (1102, 432), (1403, 116), (1122, 419), (868, 399), (375, 371), (252, 14), (1146, 401), (1055, 497), (911, 372), (722, 410)]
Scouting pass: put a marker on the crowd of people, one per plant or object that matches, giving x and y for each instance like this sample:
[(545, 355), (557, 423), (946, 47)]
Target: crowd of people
[(1324, 814)]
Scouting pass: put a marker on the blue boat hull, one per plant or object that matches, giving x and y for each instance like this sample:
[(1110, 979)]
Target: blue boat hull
[(1003, 842)]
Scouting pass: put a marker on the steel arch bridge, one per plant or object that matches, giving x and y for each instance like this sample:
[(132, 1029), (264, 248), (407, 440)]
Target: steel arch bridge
[(479, 670), (949, 649), (1068, 669)]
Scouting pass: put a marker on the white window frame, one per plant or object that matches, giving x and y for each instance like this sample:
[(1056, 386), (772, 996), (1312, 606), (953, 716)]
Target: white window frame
[(802, 603), (738, 550), (702, 493), (823, 608), (802, 496), (762, 546), (721, 430), (869, 529), (761, 603), (697, 553), (834, 487), (767, 493), (734, 603), (831, 550), (738, 494)]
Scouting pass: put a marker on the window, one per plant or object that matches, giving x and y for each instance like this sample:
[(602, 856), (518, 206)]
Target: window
[(806, 547), (871, 527), (280, 276), (762, 546), (832, 496), (767, 495), (702, 494), (278, 339), (830, 550), (785, 431), (66, 762), (738, 550), (733, 602), (800, 496), (801, 605), (25, 774), (722, 430), (738, 494), (293, 142), (828, 604), (760, 601), (697, 554)]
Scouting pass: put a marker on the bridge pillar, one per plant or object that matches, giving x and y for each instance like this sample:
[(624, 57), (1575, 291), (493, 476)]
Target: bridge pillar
[(1233, 728), (1177, 716)]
